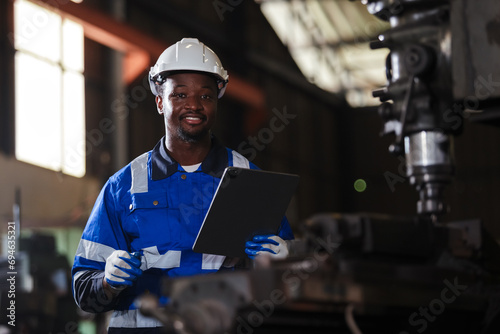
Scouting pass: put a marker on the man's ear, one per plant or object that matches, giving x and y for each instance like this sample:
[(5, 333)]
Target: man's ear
[(159, 104)]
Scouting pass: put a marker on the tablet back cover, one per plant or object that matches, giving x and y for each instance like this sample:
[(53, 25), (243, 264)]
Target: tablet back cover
[(247, 202)]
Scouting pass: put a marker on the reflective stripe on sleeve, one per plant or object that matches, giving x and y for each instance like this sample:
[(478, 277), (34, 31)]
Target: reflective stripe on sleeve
[(132, 319), (212, 262), (139, 170), (153, 259), (240, 161), (94, 251)]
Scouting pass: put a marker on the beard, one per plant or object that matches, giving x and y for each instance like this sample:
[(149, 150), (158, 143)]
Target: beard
[(190, 137)]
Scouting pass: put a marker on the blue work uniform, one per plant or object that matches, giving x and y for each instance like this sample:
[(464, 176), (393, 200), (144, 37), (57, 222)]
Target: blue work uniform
[(152, 206)]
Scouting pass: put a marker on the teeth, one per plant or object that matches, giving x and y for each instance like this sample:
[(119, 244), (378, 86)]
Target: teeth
[(192, 118)]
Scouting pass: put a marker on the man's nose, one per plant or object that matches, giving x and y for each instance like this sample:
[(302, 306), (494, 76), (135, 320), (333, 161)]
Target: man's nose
[(193, 103)]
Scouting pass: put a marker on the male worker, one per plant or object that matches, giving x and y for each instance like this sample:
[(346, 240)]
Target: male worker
[(148, 214)]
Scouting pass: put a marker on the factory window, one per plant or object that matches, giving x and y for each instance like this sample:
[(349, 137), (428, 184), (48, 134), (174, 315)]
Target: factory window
[(49, 83)]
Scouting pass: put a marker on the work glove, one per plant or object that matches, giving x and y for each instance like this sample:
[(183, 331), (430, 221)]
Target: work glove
[(122, 269), (270, 244)]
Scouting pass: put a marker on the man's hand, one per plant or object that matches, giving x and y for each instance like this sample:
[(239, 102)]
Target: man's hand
[(122, 269), (270, 244)]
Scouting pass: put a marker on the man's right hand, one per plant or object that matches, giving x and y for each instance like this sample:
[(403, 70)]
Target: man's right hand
[(122, 269)]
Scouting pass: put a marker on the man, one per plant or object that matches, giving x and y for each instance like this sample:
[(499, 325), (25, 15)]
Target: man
[(148, 214)]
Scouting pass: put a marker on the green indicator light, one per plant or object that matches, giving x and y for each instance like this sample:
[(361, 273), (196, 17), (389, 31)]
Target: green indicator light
[(360, 185)]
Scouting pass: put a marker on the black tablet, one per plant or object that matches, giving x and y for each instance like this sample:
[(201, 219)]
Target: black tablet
[(246, 203)]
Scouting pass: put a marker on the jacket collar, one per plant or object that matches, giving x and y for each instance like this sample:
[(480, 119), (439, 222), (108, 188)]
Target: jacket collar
[(163, 165)]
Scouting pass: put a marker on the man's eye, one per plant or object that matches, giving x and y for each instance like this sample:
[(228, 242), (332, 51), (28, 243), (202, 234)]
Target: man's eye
[(207, 97), (180, 95)]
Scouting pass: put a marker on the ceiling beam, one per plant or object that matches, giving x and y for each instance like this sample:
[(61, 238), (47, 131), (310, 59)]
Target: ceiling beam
[(140, 48)]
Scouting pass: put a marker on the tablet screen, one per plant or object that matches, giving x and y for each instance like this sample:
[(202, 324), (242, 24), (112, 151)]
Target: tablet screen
[(246, 203)]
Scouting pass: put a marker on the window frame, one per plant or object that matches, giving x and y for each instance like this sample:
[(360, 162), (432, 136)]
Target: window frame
[(68, 159)]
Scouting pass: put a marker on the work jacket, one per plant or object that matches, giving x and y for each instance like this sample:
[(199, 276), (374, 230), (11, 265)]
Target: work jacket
[(152, 206)]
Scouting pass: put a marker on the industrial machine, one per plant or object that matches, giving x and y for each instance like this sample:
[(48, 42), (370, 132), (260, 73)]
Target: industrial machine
[(373, 273), (441, 69), (39, 290)]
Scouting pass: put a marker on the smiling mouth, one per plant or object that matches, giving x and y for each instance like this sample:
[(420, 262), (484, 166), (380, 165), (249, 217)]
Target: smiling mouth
[(193, 119)]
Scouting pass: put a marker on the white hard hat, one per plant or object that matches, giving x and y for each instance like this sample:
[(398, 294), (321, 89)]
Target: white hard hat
[(188, 55)]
